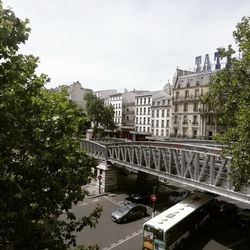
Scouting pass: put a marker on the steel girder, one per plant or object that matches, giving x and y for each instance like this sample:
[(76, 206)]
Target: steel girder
[(201, 167)]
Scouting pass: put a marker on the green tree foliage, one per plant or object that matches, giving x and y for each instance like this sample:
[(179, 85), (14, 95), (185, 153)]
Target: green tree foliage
[(230, 96), (42, 168), (99, 114)]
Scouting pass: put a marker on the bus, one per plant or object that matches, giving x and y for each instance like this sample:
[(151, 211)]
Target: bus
[(169, 229)]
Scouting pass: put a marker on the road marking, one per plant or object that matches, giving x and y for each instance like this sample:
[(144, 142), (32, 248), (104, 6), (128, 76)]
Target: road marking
[(83, 204), (95, 200), (117, 203), (122, 241)]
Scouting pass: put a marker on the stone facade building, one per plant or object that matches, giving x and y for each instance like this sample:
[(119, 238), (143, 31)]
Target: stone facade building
[(190, 117)]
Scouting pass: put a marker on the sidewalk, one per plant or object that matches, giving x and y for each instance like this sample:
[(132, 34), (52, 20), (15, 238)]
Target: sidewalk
[(92, 189)]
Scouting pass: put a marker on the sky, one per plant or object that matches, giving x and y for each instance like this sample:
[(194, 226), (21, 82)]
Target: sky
[(132, 44)]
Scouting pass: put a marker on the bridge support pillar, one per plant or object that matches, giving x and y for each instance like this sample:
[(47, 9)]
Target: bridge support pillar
[(107, 177), (145, 178)]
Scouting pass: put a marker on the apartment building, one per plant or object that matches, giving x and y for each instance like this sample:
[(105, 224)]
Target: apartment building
[(142, 123), (116, 101), (161, 115), (190, 117)]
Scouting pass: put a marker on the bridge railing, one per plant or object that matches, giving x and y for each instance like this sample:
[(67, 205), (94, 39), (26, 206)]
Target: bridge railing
[(195, 165)]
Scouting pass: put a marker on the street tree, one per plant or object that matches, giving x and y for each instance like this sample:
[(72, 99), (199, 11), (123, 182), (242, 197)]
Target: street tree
[(229, 95), (42, 167), (100, 115)]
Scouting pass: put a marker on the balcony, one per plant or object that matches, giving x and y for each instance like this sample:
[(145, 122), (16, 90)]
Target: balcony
[(183, 98)]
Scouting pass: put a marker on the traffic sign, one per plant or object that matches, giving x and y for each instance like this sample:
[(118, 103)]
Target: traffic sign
[(99, 177), (153, 197)]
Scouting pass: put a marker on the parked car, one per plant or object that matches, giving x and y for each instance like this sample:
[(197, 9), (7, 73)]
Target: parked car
[(224, 209), (177, 195), (129, 212), (243, 217), (140, 197)]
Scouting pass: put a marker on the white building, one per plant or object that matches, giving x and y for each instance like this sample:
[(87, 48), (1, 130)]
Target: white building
[(116, 101), (161, 115)]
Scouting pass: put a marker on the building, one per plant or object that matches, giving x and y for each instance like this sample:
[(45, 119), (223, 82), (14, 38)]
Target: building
[(128, 113), (116, 101), (161, 115), (76, 93), (104, 94), (190, 117), (143, 104)]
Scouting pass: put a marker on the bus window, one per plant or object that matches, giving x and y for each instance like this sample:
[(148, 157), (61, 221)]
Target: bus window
[(158, 234)]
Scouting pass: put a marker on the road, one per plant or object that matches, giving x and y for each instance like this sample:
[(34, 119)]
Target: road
[(109, 235)]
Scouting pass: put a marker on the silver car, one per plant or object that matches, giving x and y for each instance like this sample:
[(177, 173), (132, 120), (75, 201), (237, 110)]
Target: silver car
[(129, 212)]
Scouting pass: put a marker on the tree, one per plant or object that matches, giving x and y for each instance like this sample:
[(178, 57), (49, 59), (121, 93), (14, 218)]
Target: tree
[(42, 168), (230, 96), (99, 114)]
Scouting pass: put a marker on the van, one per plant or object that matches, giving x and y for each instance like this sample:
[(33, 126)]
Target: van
[(178, 195)]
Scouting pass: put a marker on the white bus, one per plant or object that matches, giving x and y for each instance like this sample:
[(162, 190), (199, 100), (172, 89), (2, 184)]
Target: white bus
[(169, 229)]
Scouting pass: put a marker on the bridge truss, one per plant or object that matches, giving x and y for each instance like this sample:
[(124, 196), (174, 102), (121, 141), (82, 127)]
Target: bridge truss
[(201, 167)]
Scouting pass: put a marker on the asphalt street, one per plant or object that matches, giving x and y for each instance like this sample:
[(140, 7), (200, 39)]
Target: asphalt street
[(110, 235)]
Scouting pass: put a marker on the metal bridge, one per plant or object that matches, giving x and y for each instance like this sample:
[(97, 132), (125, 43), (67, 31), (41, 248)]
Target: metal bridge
[(201, 167)]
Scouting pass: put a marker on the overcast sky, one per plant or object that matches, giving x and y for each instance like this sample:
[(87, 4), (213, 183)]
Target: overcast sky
[(117, 44)]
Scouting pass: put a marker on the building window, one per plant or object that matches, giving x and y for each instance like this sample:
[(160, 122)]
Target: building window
[(144, 120), (148, 110), (148, 129), (185, 120), (144, 111), (158, 103), (195, 107), (162, 113), (167, 132), (186, 94), (176, 108), (163, 102), (144, 100), (152, 131), (140, 111), (153, 113), (195, 121), (149, 100), (195, 133), (153, 123), (144, 129), (162, 132), (196, 93), (167, 123), (167, 112), (153, 104), (148, 120), (136, 119), (156, 132), (140, 120), (175, 119), (185, 108), (162, 123), (157, 113), (157, 123)]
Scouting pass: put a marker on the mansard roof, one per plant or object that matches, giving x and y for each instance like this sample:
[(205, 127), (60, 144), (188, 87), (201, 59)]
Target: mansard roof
[(193, 80)]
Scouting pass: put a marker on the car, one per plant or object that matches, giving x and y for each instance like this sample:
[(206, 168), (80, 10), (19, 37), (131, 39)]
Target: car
[(140, 197), (177, 195), (243, 217), (129, 212), (224, 209)]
